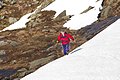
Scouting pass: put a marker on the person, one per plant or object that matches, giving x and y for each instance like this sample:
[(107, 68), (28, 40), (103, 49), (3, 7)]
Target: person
[(64, 38)]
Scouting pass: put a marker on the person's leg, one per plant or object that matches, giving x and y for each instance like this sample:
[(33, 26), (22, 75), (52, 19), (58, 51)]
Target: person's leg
[(64, 49), (67, 47)]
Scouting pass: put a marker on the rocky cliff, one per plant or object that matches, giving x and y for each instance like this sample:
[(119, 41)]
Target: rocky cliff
[(110, 8)]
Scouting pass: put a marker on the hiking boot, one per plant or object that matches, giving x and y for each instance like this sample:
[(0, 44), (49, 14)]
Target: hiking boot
[(67, 53)]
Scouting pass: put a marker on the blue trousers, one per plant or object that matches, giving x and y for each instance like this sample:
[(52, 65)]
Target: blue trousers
[(65, 48)]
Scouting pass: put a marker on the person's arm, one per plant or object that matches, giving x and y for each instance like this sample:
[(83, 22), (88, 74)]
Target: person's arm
[(70, 37), (59, 38)]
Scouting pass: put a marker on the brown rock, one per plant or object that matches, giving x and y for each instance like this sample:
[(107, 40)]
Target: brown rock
[(110, 8), (41, 61), (62, 14)]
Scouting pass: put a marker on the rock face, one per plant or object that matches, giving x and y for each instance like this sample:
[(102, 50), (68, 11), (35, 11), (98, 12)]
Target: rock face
[(12, 10), (34, 46), (110, 8)]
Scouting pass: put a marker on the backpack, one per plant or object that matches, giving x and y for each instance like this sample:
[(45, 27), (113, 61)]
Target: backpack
[(65, 38)]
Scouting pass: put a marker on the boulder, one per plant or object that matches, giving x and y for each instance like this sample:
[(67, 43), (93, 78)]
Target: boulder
[(1, 4), (12, 43), (21, 72), (12, 20), (41, 61), (1, 37), (61, 15), (3, 43), (110, 8), (2, 52)]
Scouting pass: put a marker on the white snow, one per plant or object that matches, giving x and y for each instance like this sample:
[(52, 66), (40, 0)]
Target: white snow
[(19, 24), (81, 20), (75, 7), (97, 59), (72, 7)]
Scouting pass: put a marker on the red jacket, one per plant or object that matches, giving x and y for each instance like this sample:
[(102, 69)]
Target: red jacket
[(65, 39)]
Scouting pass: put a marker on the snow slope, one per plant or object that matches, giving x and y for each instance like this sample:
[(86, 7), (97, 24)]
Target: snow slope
[(75, 7), (72, 7), (81, 20), (97, 59)]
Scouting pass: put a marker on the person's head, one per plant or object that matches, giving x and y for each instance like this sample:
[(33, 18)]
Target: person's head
[(63, 30)]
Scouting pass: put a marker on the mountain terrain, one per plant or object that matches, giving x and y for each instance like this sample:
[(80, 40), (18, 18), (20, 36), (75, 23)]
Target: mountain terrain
[(24, 50), (96, 59)]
